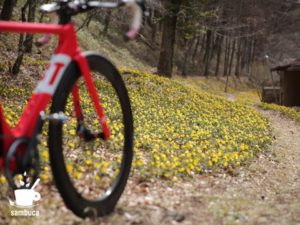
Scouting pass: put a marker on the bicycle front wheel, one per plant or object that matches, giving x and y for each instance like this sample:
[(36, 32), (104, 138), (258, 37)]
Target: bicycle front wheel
[(91, 174)]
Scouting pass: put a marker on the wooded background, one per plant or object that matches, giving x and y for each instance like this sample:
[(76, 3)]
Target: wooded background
[(195, 37)]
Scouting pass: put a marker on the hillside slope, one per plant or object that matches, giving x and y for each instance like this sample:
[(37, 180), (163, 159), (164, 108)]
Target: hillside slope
[(187, 141)]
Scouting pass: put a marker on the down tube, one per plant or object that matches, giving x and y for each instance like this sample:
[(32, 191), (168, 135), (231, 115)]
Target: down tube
[(42, 94)]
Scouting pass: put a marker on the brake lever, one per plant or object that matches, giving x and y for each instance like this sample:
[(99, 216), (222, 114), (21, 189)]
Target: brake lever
[(47, 37), (139, 12)]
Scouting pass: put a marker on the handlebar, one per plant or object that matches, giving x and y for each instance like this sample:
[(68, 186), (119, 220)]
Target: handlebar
[(61, 12)]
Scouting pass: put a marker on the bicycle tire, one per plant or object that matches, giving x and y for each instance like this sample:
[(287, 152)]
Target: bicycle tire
[(74, 200)]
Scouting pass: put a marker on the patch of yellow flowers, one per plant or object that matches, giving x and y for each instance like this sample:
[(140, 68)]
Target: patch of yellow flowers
[(179, 131), (287, 111)]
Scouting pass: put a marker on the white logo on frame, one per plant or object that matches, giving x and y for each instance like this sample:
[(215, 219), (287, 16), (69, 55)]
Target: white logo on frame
[(53, 75)]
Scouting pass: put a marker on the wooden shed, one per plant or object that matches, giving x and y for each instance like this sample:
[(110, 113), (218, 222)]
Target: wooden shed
[(289, 83)]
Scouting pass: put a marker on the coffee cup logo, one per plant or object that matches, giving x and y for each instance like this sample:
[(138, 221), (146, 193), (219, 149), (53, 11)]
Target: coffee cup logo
[(26, 197)]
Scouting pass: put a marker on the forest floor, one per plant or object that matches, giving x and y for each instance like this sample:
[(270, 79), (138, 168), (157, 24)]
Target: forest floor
[(266, 191)]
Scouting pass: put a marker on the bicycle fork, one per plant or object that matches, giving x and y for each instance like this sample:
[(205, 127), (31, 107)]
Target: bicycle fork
[(87, 135)]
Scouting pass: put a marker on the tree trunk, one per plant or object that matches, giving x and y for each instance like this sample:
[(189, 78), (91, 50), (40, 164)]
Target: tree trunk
[(207, 52), (231, 57), (196, 48), (238, 59), (214, 45), (252, 57), (249, 54), (153, 25), (165, 63), (243, 54), (16, 67), (219, 52), (7, 9), (202, 46), (226, 56), (31, 17), (187, 53)]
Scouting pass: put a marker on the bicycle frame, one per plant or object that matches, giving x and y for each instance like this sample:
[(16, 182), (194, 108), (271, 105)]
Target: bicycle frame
[(66, 52)]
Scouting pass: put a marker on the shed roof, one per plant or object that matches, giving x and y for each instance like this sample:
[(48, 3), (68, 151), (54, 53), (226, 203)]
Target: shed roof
[(293, 66)]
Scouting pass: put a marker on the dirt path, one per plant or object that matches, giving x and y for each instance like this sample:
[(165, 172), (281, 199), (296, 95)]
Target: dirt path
[(265, 192)]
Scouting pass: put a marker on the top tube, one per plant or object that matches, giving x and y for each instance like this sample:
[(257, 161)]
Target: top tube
[(25, 27)]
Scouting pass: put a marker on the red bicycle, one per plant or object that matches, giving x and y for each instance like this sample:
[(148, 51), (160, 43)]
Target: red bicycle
[(90, 133)]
